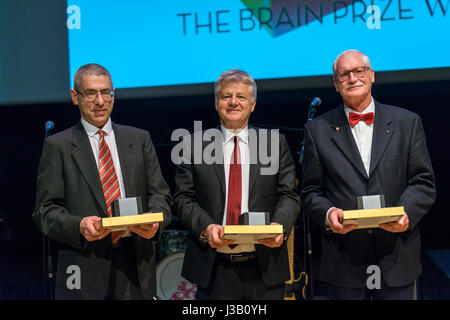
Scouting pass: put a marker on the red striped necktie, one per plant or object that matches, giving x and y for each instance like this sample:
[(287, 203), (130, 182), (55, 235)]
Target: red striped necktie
[(108, 179)]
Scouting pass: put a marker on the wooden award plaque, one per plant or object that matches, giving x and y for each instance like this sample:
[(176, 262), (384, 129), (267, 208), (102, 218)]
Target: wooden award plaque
[(244, 234), (121, 223), (371, 218)]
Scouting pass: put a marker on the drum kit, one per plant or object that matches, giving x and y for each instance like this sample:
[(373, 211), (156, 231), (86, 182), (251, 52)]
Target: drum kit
[(170, 285)]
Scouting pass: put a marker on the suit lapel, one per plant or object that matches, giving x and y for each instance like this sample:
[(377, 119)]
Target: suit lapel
[(85, 160), (218, 167), (343, 138), (220, 172), (127, 158), (382, 133), (254, 168)]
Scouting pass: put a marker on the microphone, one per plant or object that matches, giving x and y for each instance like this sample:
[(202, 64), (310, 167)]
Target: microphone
[(313, 107), (49, 126), (312, 110), (316, 102)]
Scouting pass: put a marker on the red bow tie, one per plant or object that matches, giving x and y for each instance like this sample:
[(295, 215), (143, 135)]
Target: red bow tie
[(356, 117)]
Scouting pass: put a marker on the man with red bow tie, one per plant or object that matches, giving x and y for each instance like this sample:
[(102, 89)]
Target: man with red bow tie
[(366, 148)]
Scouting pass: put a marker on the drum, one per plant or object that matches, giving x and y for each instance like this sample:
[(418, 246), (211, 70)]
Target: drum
[(172, 241), (170, 285)]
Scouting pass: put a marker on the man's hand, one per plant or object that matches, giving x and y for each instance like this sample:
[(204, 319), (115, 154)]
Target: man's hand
[(214, 234), (146, 231), (396, 226), (90, 228), (273, 242), (335, 217)]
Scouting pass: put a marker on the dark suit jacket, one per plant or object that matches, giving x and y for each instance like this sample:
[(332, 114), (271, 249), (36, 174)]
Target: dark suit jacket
[(200, 200), (334, 175), (69, 188)]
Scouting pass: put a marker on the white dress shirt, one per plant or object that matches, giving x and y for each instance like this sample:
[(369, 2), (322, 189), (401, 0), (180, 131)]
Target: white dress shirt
[(94, 139), (228, 148), (362, 133)]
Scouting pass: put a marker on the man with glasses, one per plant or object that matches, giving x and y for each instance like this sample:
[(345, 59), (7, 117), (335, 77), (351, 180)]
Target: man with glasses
[(365, 148), (82, 171)]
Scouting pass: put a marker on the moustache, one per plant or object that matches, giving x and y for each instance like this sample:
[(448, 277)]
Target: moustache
[(354, 86)]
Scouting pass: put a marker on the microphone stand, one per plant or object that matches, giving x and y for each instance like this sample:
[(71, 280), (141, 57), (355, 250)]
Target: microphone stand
[(307, 243), (47, 258), (307, 255)]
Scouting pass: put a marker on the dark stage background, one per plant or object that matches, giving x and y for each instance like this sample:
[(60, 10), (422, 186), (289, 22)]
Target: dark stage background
[(22, 134)]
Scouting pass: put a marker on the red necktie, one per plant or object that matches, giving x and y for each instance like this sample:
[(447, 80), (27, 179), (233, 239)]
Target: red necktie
[(234, 187), (356, 117), (108, 179)]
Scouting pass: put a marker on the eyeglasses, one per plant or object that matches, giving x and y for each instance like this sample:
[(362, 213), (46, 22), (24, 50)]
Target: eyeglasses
[(91, 95), (358, 72)]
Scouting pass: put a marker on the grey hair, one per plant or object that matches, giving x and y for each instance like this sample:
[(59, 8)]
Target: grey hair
[(91, 68), (235, 75), (363, 56)]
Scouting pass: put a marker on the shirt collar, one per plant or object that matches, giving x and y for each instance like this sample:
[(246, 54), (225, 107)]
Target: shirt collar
[(370, 108), (92, 130), (228, 134)]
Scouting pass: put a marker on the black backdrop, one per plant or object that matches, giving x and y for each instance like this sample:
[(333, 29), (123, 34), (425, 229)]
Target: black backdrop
[(22, 134)]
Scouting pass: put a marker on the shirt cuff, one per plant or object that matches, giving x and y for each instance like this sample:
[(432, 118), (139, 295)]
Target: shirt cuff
[(327, 222)]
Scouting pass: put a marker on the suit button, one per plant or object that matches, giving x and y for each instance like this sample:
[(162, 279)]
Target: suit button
[(370, 231)]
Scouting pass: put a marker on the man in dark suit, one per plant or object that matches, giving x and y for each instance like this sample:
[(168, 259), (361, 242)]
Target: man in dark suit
[(208, 196), (82, 170), (366, 148)]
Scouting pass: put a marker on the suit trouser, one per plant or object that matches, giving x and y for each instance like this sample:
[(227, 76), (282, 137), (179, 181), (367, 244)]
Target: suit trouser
[(238, 281), (124, 281)]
